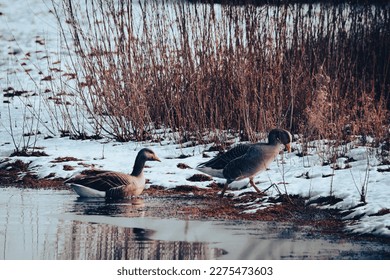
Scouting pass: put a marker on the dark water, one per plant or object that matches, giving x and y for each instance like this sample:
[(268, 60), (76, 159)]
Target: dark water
[(53, 224)]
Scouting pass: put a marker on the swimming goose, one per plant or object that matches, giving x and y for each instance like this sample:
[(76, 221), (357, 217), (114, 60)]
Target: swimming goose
[(111, 184), (247, 160)]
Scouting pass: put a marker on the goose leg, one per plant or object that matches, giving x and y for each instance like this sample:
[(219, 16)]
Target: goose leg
[(253, 185), (224, 189)]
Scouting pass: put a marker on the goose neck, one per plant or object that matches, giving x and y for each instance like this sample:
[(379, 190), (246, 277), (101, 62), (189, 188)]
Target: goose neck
[(138, 166), (273, 140)]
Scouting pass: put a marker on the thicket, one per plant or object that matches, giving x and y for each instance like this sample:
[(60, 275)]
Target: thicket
[(320, 70)]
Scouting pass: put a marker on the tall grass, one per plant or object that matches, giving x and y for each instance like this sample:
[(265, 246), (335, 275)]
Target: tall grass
[(321, 70)]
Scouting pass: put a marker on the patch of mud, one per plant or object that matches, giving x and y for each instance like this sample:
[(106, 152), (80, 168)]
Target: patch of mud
[(17, 172), (212, 206)]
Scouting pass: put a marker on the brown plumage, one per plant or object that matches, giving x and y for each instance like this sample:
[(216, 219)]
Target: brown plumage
[(246, 160), (112, 184)]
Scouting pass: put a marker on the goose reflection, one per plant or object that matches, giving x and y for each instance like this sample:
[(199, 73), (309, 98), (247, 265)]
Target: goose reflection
[(95, 241), (127, 207)]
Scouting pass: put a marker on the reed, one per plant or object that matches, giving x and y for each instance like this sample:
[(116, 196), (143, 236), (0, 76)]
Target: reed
[(321, 70)]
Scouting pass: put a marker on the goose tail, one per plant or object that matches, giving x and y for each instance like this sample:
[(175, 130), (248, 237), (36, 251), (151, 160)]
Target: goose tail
[(210, 171), (84, 191)]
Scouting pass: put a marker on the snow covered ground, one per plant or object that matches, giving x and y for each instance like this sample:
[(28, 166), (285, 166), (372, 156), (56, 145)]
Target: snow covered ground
[(29, 38)]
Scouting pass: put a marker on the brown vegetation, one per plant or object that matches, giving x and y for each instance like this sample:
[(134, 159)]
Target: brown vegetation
[(17, 172), (65, 159), (319, 70)]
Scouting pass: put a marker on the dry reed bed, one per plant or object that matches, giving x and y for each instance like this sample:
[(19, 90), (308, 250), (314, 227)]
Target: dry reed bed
[(320, 70)]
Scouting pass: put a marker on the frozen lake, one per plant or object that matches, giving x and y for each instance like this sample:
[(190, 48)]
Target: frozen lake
[(56, 224)]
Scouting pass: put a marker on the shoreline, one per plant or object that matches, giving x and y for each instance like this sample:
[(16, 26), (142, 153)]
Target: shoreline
[(315, 221)]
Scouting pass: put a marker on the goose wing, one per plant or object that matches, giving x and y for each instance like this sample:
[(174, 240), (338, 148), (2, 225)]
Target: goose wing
[(241, 167), (102, 181), (124, 191), (257, 158), (220, 161), (94, 172)]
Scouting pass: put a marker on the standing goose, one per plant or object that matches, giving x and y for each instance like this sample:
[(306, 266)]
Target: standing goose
[(247, 160), (111, 184)]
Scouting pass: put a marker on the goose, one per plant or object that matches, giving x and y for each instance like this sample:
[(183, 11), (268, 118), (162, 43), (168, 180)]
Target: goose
[(247, 160), (111, 184)]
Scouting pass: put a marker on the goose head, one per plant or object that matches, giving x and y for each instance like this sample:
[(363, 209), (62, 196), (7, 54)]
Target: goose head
[(280, 136), (147, 154)]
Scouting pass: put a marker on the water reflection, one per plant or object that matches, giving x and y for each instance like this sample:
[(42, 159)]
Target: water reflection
[(52, 224), (124, 240), (101, 241)]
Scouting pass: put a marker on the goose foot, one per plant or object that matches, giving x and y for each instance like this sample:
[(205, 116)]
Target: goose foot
[(224, 190), (254, 186)]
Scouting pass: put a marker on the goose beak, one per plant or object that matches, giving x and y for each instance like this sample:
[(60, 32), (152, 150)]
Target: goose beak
[(288, 147)]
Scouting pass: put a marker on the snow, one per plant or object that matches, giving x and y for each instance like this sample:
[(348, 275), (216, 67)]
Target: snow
[(24, 22)]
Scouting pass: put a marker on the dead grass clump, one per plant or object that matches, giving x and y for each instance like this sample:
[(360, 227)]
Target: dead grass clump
[(326, 200), (216, 186), (68, 167), (65, 159), (26, 153), (187, 188), (8, 176), (31, 181), (382, 212), (156, 188), (199, 178), (183, 166), (18, 165)]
